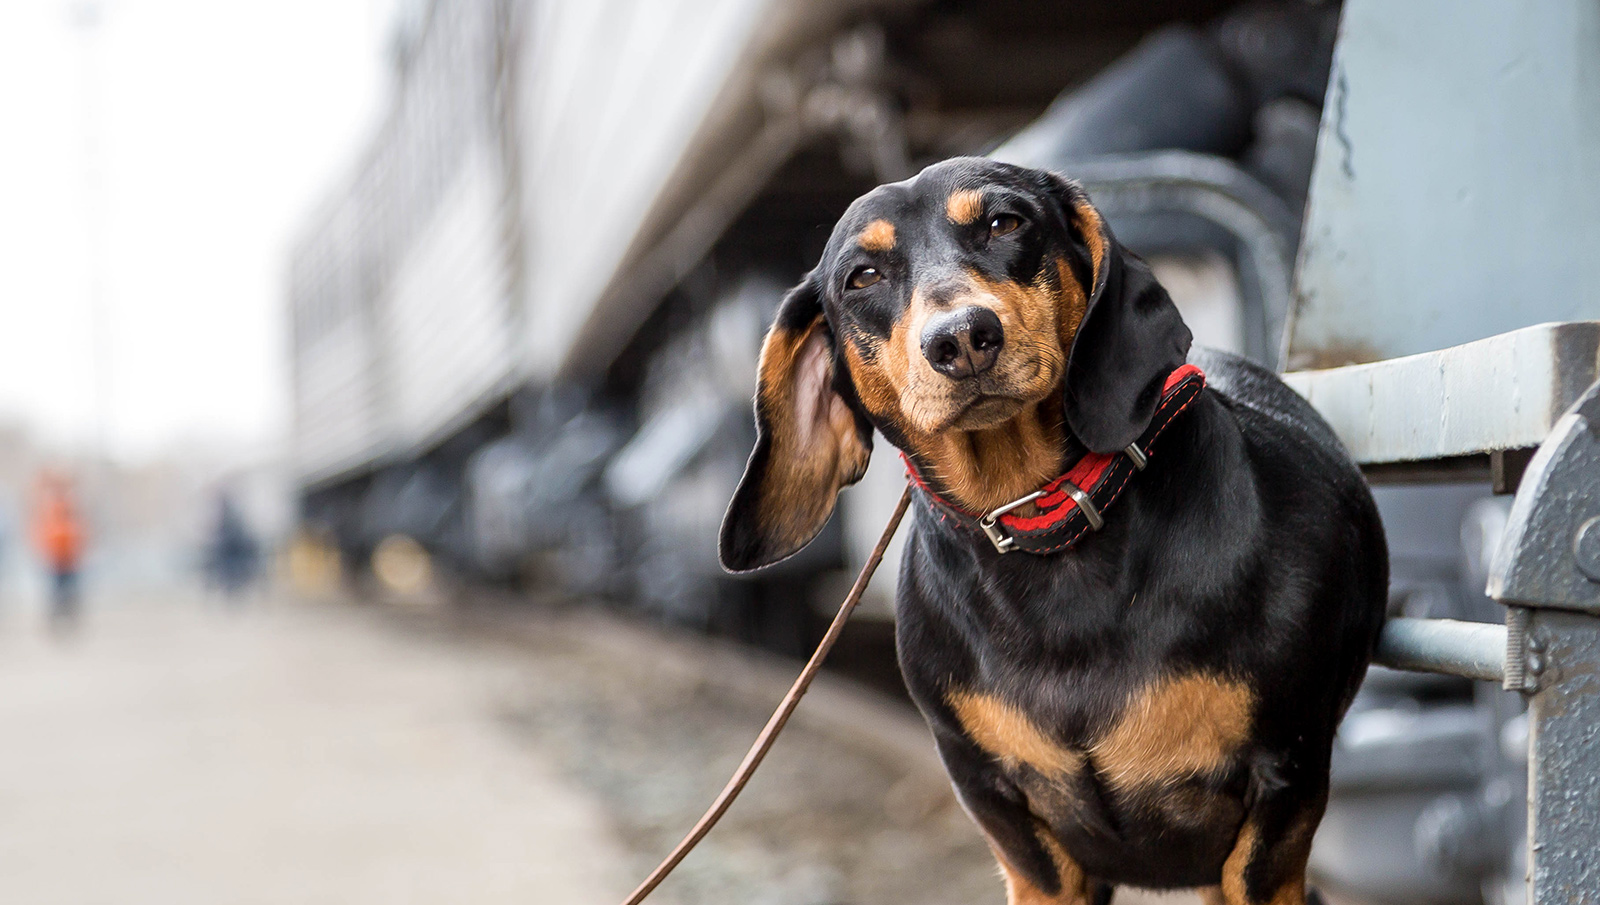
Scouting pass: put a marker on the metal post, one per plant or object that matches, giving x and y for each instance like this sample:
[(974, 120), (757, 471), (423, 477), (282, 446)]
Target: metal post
[(1548, 573), (1564, 762)]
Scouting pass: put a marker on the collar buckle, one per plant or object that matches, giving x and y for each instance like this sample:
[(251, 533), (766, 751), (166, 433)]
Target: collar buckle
[(1003, 542)]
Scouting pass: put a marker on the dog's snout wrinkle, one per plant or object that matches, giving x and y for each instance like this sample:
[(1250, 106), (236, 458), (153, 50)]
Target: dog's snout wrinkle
[(963, 343), (943, 296)]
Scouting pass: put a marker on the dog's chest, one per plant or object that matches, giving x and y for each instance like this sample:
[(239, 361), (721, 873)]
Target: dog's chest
[(1152, 784), (1170, 729)]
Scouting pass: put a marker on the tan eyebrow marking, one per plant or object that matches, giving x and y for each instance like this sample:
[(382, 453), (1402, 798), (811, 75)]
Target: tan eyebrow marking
[(878, 236), (964, 206)]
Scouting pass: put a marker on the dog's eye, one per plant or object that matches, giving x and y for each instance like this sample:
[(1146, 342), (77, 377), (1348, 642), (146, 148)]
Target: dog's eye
[(1003, 224), (862, 277)]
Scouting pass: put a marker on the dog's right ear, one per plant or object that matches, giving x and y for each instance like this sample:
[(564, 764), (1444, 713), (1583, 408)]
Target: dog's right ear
[(809, 442)]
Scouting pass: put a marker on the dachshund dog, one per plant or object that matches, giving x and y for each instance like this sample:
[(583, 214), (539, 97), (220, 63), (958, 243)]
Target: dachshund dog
[(1141, 586)]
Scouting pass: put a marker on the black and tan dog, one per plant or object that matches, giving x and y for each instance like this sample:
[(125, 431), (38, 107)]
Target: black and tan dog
[(1138, 596)]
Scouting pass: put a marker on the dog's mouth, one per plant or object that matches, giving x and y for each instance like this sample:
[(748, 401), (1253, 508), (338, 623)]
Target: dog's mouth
[(985, 411), (989, 404)]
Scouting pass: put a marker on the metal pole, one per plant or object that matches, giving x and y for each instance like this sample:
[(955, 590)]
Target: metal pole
[(1473, 650), (1548, 572)]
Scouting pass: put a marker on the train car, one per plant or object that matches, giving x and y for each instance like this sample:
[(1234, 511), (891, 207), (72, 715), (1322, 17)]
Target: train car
[(405, 288), (561, 189)]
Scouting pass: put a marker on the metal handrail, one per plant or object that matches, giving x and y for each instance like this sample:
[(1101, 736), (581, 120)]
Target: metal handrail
[(1472, 650)]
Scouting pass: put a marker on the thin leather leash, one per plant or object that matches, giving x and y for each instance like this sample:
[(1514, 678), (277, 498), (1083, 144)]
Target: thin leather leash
[(769, 733)]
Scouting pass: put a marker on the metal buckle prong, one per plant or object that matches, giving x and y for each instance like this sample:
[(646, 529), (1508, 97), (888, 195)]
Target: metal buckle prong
[(1137, 456), (997, 535)]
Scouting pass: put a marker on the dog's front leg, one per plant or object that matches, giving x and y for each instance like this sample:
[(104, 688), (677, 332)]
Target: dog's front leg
[(1037, 870), (1268, 863)]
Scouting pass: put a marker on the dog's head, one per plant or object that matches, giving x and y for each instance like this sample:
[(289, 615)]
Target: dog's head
[(976, 314)]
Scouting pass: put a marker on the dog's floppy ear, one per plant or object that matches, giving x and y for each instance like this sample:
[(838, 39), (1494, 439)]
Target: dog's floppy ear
[(1131, 337), (810, 443)]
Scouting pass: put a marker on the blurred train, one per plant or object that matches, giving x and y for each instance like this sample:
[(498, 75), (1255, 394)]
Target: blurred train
[(525, 327)]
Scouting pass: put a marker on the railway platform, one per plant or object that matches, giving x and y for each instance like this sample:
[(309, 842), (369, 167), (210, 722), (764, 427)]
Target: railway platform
[(345, 753), (173, 754)]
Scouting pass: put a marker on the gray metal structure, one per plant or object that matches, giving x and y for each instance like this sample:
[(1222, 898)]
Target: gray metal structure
[(1454, 196), (1455, 202), (1548, 576)]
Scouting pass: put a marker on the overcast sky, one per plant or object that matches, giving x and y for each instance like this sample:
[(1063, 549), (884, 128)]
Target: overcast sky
[(222, 122)]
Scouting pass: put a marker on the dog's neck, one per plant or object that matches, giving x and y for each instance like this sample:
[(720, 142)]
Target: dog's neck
[(985, 469)]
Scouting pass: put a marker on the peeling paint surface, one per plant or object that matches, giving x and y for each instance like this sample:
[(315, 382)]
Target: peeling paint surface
[(1454, 195)]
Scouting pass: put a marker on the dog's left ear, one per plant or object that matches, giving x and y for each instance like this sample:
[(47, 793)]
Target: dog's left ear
[(810, 443), (1131, 337)]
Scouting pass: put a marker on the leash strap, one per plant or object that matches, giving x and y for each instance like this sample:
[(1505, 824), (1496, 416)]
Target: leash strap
[(769, 734), (1073, 504)]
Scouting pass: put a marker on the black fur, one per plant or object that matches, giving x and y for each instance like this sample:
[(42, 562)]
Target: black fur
[(1250, 547)]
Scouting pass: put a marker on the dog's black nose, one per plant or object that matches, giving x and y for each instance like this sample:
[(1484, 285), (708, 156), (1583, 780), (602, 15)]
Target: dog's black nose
[(963, 343)]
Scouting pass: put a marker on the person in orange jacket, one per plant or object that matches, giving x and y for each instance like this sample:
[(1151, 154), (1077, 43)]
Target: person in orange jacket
[(58, 535)]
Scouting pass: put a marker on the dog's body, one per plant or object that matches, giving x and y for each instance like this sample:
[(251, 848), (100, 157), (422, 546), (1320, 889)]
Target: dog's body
[(1176, 679), (1153, 705)]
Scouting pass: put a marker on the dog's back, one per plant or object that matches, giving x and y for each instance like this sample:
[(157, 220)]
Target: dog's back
[(1287, 438)]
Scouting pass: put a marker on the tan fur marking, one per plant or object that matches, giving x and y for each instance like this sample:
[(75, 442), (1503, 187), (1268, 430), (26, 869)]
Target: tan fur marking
[(871, 379), (878, 236), (1294, 846), (1073, 306), (985, 469), (1008, 734), (1170, 730), (816, 448), (1232, 890), (964, 206), (1173, 729), (1094, 233), (1021, 891)]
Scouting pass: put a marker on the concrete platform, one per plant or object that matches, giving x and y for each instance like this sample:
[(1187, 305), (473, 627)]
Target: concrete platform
[(337, 753), (175, 755)]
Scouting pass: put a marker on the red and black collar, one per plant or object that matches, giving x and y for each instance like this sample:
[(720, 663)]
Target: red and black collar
[(1072, 504)]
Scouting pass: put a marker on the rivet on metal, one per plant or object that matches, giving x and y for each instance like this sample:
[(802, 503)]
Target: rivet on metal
[(1586, 548)]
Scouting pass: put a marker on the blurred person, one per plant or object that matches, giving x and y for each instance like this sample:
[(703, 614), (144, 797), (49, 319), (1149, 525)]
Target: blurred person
[(59, 538), (232, 555)]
